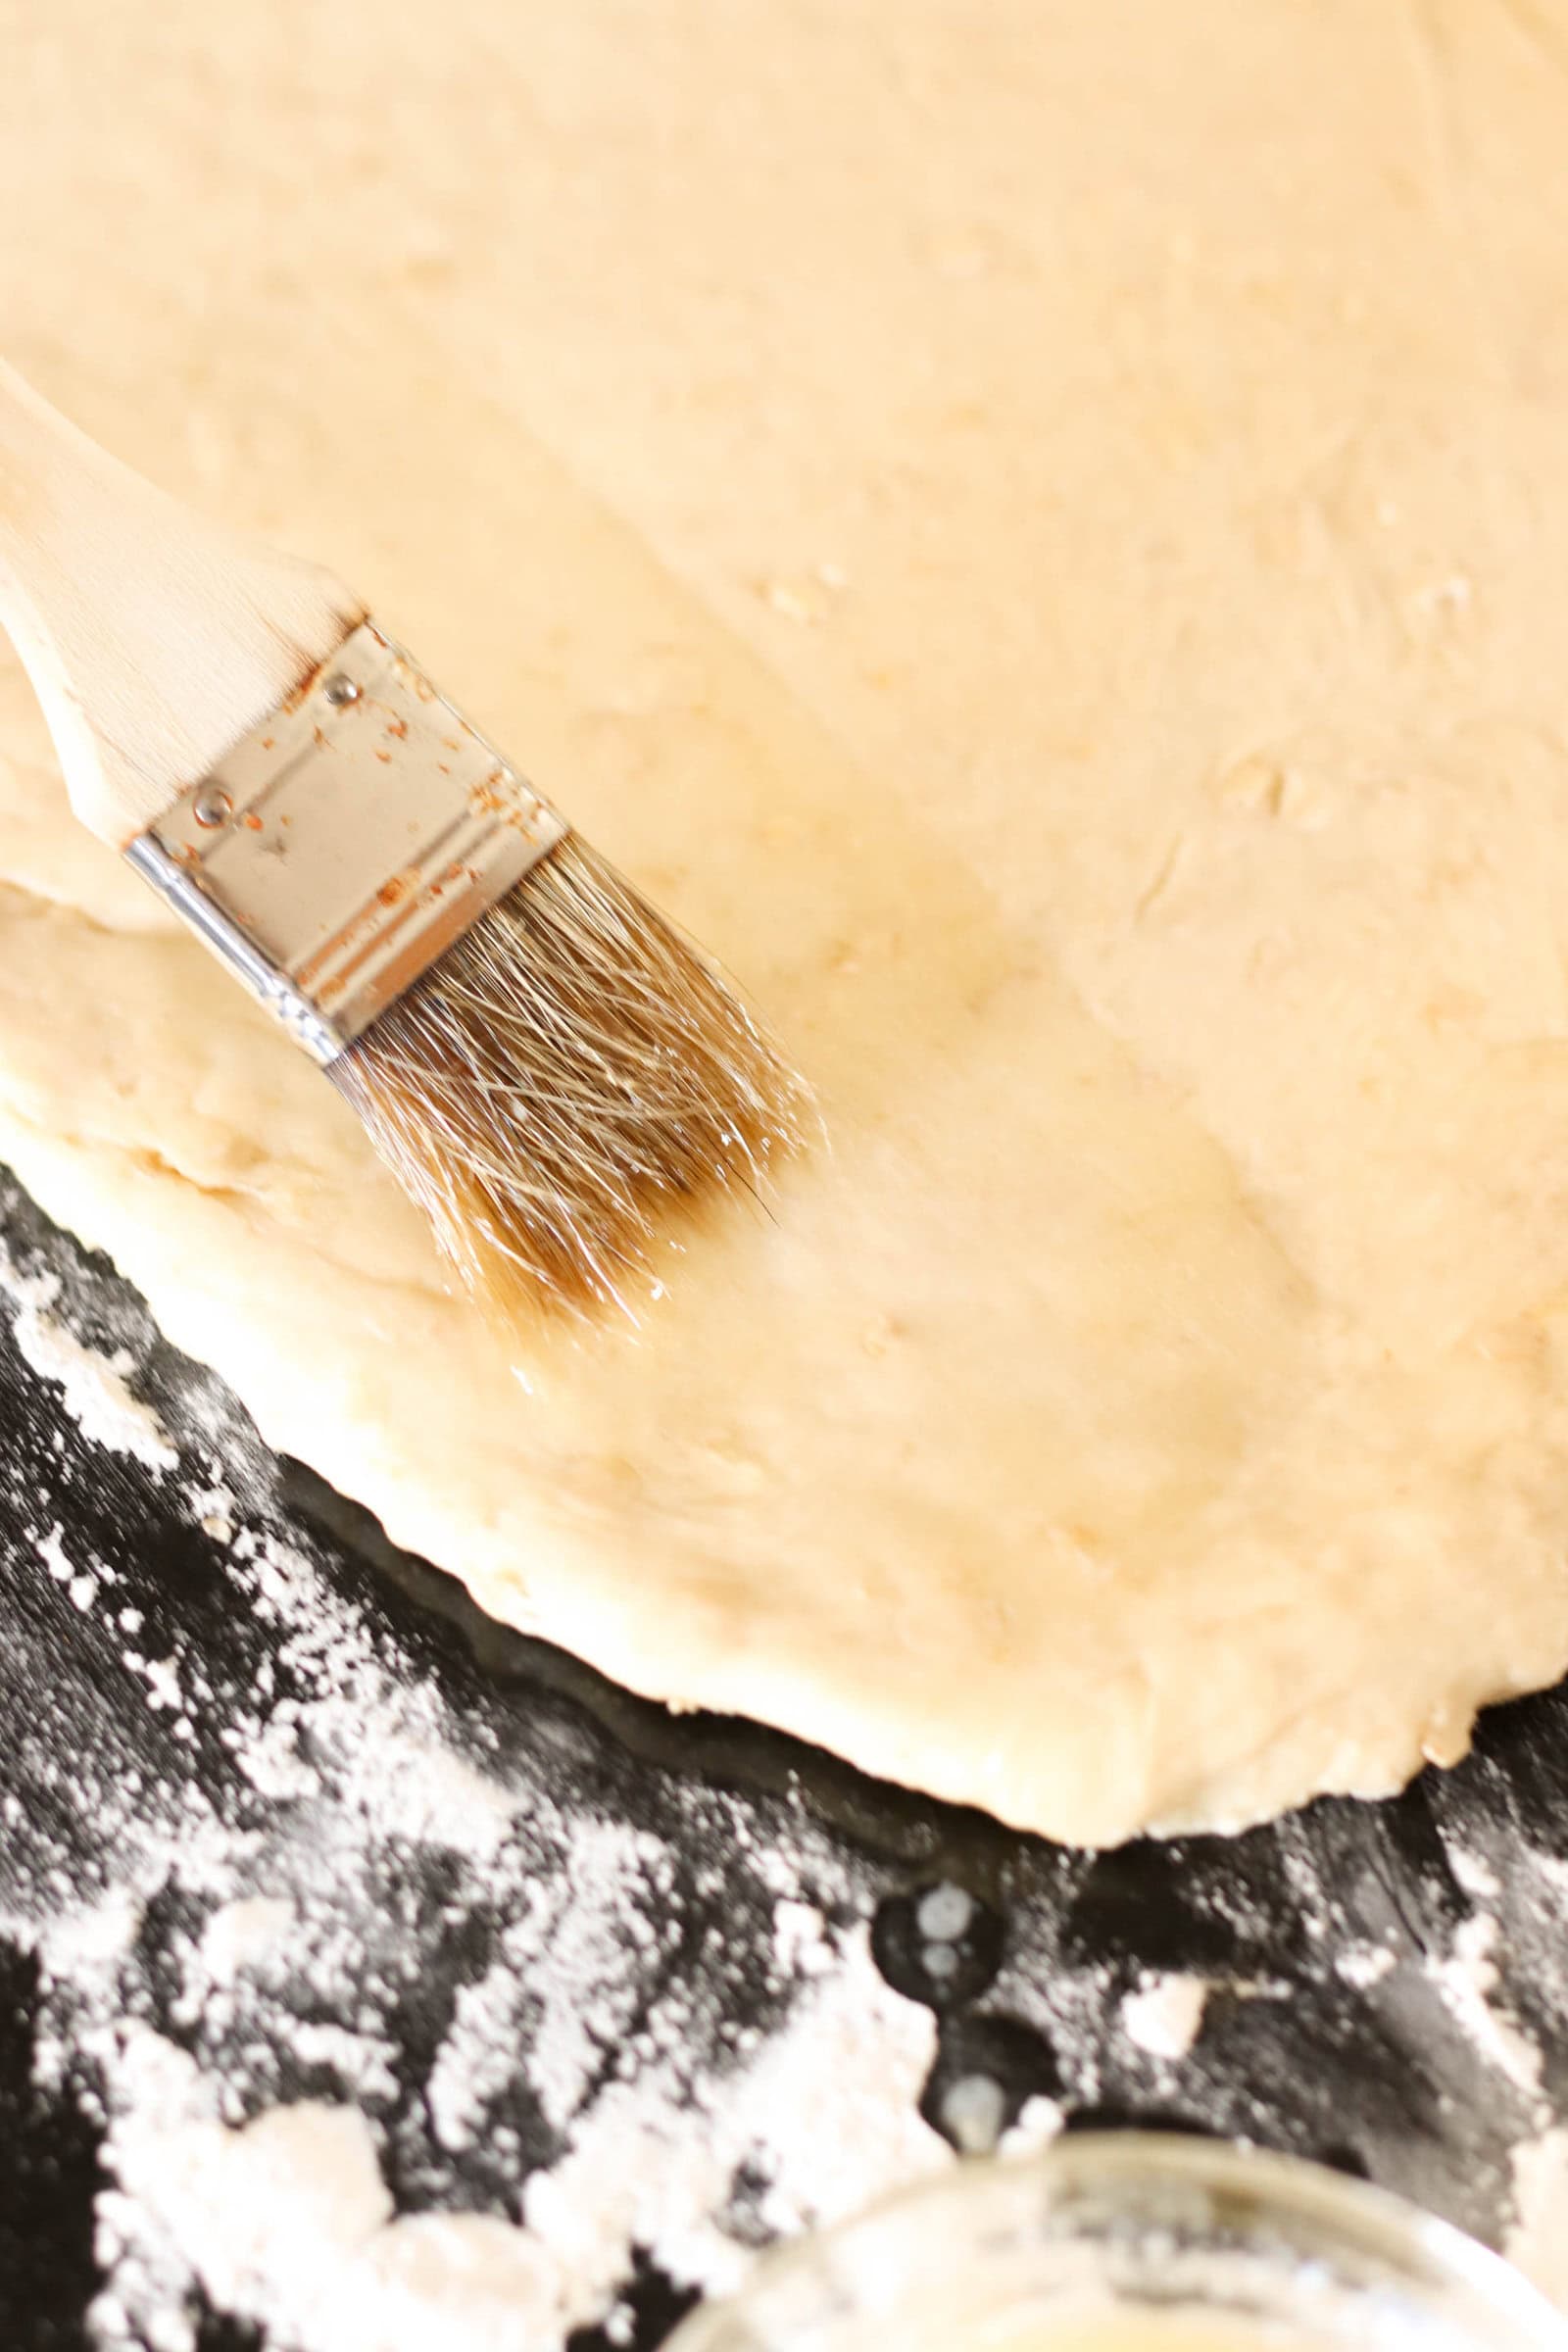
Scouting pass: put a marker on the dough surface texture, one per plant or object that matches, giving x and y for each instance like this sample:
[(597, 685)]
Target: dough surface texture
[(1040, 532)]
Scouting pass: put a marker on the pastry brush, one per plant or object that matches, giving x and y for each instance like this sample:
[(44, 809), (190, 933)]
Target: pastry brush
[(549, 1068)]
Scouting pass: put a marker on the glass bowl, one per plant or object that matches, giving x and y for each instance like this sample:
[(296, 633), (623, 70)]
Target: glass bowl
[(1133, 2241)]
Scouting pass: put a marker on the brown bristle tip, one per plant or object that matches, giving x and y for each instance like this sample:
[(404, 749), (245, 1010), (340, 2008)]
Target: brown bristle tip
[(565, 1087)]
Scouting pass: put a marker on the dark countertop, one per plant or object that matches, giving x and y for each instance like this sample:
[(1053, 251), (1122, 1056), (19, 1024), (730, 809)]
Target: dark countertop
[(1377, 2070)]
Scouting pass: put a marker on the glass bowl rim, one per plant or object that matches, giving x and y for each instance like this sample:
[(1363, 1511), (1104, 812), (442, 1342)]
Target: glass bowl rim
[(1373, 2220)]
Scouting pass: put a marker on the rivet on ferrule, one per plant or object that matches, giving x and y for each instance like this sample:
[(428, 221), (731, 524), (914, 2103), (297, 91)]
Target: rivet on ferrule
[(212, 806), (336, 852)]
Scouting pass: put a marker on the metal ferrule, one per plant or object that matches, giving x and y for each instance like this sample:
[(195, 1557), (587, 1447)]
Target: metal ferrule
[(339, 849)]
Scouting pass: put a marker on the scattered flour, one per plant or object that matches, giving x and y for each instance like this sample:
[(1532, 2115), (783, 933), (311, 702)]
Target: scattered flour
[(260, 2143), (1039, 2122), (52, 1552), (1165, 2014), (1468, 1981), (801, 1944), (246, 1935), (286, 2219), (1474, 1874), (81, 1583), (822, 2117), (93, 1386), (1364, 1965)]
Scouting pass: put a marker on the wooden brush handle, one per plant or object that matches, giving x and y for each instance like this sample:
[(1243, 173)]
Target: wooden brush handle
[(153, 640)]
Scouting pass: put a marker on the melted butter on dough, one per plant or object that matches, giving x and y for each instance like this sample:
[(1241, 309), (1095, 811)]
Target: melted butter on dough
[(1079, 636)]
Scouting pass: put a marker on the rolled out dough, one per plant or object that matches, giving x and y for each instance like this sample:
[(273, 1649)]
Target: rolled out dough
[(1042, 533)]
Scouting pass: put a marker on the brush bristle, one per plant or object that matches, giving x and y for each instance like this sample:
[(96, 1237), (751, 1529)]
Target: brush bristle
[(561, 1084)]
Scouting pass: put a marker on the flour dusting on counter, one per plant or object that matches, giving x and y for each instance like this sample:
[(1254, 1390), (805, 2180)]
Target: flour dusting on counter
[(231, 2001), (93, 1386), (1469, 1981), (1164, 2014)]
